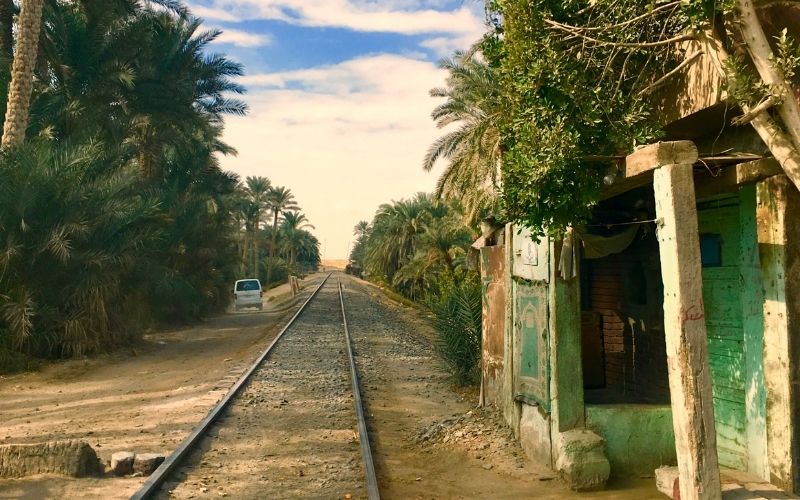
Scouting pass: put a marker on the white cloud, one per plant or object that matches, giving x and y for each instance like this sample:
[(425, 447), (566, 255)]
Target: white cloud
[(243, 38), (210, 13), (345, 138), (394, 16), (446, 45)]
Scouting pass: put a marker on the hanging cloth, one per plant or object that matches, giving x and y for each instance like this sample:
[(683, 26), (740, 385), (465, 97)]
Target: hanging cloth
[(594, 247), (568, 263), (597, 247)]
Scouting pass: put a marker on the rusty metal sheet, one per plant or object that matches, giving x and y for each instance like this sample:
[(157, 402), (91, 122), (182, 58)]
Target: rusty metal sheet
[(494, 312)]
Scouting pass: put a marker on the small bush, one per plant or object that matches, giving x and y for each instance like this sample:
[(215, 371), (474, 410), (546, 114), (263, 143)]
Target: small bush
[(457, 320)]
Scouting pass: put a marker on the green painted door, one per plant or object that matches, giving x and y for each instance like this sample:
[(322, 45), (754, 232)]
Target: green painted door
[(720, 244)]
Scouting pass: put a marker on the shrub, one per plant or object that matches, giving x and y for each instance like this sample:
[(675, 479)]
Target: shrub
[(458, 322)]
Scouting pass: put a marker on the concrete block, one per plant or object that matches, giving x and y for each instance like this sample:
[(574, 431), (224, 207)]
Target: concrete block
[(639, 438), (147, 463), (534, 434), (667, 480), (70, 458), (582, 461), (122, 463)]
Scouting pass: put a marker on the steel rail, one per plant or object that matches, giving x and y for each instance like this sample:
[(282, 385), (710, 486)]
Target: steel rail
[(153, 483), (366, 451)]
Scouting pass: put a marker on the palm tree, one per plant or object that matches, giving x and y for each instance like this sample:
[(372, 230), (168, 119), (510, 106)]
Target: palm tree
[(71, 245), (279, 199), (293, 227), (473, 149), (118, 83), (394, 234), (257, 189), (25, 55), (361, 230)]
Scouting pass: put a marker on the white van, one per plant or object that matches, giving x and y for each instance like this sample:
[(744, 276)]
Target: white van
[(247, 293)]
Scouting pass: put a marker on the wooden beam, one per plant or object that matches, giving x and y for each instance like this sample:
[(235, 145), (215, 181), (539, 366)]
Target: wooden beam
[(757, 171), (661, 153), (685, 331)]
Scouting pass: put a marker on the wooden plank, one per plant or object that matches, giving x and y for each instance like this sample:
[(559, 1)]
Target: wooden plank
[(655, 155), (728, 394), (685, 328), (756, 171), (727, 374), (730, 348)]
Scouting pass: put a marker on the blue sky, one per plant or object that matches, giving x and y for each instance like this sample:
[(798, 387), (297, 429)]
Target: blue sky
[(338, 97)]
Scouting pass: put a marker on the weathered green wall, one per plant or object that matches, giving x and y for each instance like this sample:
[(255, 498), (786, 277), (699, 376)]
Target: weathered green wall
[(639, 438), (722, 295), (753, 330)]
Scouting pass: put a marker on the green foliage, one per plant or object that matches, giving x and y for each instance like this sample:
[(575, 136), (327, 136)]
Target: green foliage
[(75, 241), (458, 322), (472, 149), (115, 215), (358, 254), (418, 247), (410, 241), (787, 56), (564, 101)]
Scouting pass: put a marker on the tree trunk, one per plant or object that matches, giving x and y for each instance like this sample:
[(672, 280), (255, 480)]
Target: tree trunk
[(778, 141), (761, 54), (245, 242), (25, 54), (273, 242), (6, 28), (254, 245)]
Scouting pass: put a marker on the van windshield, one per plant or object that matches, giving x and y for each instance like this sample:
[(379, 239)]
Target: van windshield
[(248, 286)]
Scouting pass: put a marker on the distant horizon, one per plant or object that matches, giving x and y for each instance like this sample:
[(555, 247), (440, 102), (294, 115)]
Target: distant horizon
[(338, 97)]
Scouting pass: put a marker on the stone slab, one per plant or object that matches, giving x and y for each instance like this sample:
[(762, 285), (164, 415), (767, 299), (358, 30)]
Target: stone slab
[(70, 458), (122, 463)]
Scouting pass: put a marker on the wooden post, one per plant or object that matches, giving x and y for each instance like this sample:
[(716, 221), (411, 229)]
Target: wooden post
[(685, 329), (511, 408), (778, 237), (566, 377)]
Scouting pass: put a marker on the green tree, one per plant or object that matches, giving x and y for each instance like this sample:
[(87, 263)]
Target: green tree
[(279, 199), (394, 235), (358, 253), (472, 150), (257, 189), (576, 83), (295, 237), (76, 242), (83, 227)]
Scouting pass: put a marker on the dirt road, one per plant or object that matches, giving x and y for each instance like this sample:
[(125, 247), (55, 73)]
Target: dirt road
[(143, 400), (429, 440)]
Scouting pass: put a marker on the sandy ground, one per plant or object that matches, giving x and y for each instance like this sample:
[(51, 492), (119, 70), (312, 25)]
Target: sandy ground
[(409, 394), (428, 438), (143, 400), (290, 434)]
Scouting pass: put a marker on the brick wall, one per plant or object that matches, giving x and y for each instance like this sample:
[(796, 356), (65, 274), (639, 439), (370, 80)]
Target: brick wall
[(626, 290)]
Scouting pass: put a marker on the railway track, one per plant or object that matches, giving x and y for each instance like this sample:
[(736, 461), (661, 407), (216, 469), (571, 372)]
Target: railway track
[(287, 427)]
